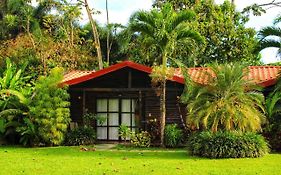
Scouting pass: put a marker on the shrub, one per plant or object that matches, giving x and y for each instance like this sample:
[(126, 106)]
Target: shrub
[(28, 132), (50, 108), (80, 136), (272, 129), (124, 132), (142, 139), (173, 135), (227, 145), (153, 128)]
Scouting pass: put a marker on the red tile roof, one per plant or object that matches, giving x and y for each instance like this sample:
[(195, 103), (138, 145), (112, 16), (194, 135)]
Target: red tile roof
[(76, 74), (261, 75)]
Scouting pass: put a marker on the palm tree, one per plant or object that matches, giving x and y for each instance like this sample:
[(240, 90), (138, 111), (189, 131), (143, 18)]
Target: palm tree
[(226, 102), (163, 30), (271, 36)]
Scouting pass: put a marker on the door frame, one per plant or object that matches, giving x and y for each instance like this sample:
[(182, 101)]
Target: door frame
[(107, 126)]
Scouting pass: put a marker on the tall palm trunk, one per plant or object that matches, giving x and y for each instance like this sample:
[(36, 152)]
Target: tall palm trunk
[(107, 37), (95, 33), (163, 101), (163, 112)]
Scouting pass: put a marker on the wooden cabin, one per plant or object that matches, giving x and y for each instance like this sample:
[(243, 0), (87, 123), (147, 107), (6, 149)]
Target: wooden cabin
[(122, 94)]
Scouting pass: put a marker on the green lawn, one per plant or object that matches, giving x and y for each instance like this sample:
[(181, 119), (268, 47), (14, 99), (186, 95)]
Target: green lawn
[(70, 160)]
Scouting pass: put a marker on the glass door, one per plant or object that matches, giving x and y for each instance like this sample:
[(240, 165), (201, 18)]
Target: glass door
[(114, 112)]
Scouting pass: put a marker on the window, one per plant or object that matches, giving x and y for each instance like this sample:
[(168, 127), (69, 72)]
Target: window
[(115, 112)]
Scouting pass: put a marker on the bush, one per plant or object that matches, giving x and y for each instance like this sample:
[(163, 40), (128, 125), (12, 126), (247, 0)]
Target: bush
[(80, 136), (142, 139), (227, 145), (124, 132), (173, 136), (153, 128), (50, 108)]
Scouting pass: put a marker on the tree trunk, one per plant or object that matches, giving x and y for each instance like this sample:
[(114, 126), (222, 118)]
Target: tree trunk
[(29, 34), (233, 2), (95, 33), (163, 112), (107, 37), (163, 99)]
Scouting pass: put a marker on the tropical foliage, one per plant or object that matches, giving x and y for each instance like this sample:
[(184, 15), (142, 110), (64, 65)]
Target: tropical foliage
[(163, 31), (12, 100), (272, 129), (49, 106), (227, 145), (34, 108), (227, 39), (142, 139), (25, 108), (271, 36), (173, 135), (80, 136), (227, 101)]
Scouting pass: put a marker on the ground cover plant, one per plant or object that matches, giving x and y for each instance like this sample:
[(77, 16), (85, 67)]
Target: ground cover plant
[(80, 136), (71, 160), (173, 135), (227, 144)]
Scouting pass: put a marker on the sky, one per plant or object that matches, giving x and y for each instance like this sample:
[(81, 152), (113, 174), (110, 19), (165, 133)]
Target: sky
[(121, 10)]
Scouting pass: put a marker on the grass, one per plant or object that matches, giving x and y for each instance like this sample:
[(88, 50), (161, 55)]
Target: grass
[(70, 160)]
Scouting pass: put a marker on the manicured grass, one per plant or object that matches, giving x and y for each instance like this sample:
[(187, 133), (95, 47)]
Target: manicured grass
[(70, 160)]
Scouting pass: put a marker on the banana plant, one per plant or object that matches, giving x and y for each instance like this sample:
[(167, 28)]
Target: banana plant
[(11, 83), (12, 101)]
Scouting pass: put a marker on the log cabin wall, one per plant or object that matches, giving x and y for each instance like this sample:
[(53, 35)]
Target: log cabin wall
[(126, 83)]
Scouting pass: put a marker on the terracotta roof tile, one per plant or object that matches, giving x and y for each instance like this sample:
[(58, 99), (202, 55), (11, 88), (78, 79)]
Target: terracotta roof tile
[(261, 75), (76, 74)]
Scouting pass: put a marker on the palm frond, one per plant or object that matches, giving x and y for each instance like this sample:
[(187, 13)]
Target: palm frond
[(269, 31), (183, 16), (144, 17), (225, 103), (190, 34), (142, 28), (167, 11), (267, 43), (277, 20)]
